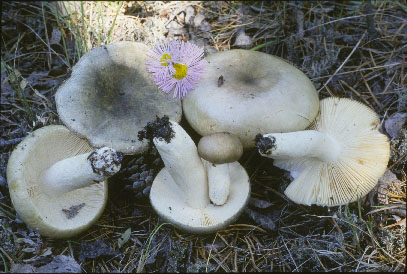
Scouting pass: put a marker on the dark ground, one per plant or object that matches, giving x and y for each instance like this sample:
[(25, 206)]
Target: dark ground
[(348, 49)]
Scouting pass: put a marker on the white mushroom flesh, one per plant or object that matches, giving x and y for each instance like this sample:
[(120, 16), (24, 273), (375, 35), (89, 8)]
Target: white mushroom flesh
[(80, 171), (218, 182), (167, 202), (179, 193), (181, 159), (308, 143), (217, 150)]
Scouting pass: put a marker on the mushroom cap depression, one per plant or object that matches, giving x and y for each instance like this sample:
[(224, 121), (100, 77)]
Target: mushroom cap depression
[(220, 148), (168, 201), (247, 92), (364, 154), (56, 217), (110, 96)]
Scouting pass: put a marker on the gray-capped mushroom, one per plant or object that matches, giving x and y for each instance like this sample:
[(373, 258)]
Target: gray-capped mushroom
[(247, 92), (58, 182), (218, 150), (111, 95)]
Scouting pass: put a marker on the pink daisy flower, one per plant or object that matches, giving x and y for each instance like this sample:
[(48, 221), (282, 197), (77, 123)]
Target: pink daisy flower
[(176, 66), (160, 65)]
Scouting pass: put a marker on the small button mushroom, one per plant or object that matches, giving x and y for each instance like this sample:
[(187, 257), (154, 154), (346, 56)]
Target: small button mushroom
[(337, 160), (110, 95), (245, 92), (179, 193), (58, 182), (218, 150)]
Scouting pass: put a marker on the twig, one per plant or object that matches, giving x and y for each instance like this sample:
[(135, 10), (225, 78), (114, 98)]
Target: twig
[(356, 92), (5, 253), (361, 258), (344, 62), (248, 241), (316, 255), (221, 264), (362, 231), (289, 253), (46, 36), (388, 84), (371, 92), (42, 40), (363, 69), (210, 251)]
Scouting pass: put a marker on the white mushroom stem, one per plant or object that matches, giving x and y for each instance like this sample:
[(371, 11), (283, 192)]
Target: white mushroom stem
[(218, 182), (80, 171), (307, 143), (180, 157)]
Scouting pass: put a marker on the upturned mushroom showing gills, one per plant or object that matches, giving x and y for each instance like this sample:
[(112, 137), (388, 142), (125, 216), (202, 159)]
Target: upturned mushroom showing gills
[(110, 94), (337, 160), (179, 193), (247, 92), (217, 151), (58, 182)]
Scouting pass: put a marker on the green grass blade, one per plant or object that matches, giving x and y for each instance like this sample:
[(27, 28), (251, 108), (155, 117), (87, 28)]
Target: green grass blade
[(84, 30), (114, 21), (265, 45), (150, 238), (4, 262), (402, 6), (61, 29)]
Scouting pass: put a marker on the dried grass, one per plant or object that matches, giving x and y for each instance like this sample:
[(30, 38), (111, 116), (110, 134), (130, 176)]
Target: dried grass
[(348, 49)]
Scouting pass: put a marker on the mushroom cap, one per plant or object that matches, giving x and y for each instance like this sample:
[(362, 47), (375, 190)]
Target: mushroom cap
[(52, 216), (260, 93), (110, 96), (168, 201), (362, 161), (220, 148)]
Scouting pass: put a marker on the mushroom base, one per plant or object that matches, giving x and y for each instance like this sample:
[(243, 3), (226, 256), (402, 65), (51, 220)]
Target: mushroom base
[(168, 201)]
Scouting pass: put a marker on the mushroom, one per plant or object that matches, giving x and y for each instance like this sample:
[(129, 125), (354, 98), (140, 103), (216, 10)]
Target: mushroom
[(246, 92), (110, 95), (337, 160), (179, 193), (218, 150), (58, 182)]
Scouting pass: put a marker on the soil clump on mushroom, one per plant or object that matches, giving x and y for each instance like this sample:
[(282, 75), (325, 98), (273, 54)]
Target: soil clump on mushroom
[(264, 144), (160, 128)]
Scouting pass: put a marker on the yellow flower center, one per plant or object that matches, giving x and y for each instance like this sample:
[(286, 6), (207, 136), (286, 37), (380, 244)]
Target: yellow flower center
[(166, 57), (180, 71)]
